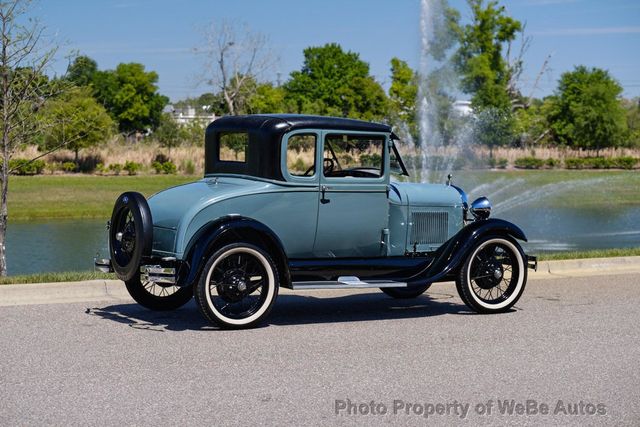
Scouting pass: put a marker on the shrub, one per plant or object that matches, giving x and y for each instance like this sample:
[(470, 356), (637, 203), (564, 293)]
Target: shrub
[(574, 163), (190, 167), (26, 167), (626, 162), (116, 168), (101, 169), (552, 163), (529, 163), (157, 166), (497, 163), (132, 168), (169, 168), (69, 167), (166, 167)]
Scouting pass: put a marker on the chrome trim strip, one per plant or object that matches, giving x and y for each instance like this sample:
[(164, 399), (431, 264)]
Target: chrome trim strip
[(344, 285)]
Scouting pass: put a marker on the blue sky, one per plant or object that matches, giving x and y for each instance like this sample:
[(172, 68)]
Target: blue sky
[(161, 34)]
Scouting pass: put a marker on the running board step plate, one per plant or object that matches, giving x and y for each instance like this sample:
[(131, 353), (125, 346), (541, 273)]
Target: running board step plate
[(347, 282)]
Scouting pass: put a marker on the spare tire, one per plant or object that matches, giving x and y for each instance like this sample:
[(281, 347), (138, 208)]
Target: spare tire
[(130, 234)]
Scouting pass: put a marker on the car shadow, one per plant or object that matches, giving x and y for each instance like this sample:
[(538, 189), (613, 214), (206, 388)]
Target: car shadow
[(292, 310)]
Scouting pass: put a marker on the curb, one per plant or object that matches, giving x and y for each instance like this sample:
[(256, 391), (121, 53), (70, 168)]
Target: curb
[(114, 290), (63, 292), (586, 267)]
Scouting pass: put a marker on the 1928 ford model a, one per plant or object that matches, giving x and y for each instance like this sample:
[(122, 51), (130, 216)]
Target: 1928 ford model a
[(306, 202)]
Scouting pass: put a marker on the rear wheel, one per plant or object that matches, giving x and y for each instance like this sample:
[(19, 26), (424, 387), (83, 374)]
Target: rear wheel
[(406, 293), (238, 286), (493, 277), (159, 297)]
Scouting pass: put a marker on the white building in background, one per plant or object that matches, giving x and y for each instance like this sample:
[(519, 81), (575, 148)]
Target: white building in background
[(463, 108), (190, 114)]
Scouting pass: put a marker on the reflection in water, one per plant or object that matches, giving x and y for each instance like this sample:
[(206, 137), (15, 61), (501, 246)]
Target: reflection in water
[(60, 245)]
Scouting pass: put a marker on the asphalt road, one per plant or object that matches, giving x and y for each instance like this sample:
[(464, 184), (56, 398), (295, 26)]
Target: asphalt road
[(570, 344)]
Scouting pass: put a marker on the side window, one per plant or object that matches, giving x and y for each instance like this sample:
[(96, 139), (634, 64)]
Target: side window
[(353, 155), (232, 146), (301, 154)]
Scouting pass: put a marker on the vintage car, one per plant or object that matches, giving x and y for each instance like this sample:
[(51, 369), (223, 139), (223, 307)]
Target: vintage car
[(307, 202)]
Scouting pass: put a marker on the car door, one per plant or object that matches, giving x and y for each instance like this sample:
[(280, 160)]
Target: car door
[(353, 206)]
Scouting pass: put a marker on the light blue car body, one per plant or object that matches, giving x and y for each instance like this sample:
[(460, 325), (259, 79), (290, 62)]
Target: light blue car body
[(366, 217)]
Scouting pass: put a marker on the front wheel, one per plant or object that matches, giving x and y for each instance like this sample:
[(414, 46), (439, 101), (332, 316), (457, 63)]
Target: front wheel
[(238, 286), (493, 277)]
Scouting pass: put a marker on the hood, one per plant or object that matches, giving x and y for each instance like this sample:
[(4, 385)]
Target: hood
[(170, 206), (415, 194)]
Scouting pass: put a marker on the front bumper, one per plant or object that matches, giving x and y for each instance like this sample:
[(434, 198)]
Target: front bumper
[(532, 262)]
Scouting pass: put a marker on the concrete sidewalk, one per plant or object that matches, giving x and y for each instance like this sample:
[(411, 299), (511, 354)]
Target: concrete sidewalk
[(114, 290)]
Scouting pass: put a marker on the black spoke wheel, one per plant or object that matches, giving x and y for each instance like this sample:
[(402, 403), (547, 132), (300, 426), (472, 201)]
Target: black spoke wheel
[(130, 234), (406, 293), (494, 275), (158, 296), (238, 286)]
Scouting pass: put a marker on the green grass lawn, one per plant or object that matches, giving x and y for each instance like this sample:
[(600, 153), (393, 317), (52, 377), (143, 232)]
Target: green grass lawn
[(78, 196)]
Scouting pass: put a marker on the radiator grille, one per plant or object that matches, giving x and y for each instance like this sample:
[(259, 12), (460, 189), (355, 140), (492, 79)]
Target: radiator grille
[(429, 227)]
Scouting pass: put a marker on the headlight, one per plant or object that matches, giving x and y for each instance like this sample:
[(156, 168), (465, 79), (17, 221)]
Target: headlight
[(481, 208)]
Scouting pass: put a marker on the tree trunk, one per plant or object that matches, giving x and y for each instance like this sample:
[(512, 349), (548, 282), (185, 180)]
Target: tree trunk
[(4, 189), (229, 101), (3, 228)]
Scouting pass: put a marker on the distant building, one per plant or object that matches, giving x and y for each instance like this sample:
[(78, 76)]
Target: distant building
[(463, 108), (189, 114)]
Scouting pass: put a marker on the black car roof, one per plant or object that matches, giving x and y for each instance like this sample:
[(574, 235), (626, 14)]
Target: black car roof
[(281, 123)]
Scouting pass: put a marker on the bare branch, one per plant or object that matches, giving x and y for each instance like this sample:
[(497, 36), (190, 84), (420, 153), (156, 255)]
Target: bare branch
[(543, 69), (233, 60)]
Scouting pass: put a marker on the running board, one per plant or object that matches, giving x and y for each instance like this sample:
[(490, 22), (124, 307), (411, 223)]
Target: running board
[(347, 282)]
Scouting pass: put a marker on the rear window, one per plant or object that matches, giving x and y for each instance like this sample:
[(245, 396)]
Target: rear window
[(232, 147)]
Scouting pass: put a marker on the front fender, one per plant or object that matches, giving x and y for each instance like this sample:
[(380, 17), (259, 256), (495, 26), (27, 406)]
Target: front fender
[(452, 254), (230, 229)]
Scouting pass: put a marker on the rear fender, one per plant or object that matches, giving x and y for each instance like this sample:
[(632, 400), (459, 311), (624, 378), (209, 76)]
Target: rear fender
[(231, 229), (452, 254)]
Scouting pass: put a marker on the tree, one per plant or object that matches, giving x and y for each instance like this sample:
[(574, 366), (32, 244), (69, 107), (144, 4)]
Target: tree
[(494, 127), (75, 120), (335, 82), (479, 58), (130, 95), (531, 125), (632, 108), (82, 71), (23, 90), (233, 61), (403, 92), (585, 111), (168, 132), (269, 99)]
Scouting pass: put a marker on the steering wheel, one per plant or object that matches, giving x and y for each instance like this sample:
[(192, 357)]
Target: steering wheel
[(328, 165), (311, 169)]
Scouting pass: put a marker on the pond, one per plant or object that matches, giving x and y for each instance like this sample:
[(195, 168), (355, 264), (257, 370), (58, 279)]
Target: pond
[(553, 216)]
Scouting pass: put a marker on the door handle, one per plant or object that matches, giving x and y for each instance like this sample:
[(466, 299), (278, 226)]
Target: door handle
[(323, 189)]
